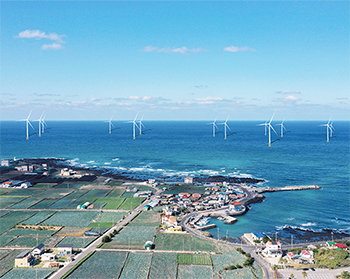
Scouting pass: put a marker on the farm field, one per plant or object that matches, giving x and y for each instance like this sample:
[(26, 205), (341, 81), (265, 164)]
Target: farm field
[(112, 203), (127, 195), (195, 272), (23, 192), (100, 265), (116, 193), (27, 232), (242, 273), (28, 273), (131, 203), (53, 193), (183, 242), (26, 203), (38, 217), (133, 237), (168, 264), (72, 231), (71, 218), (109, 218), (44, 185), (68, 200), (43, 204), (4, 239), (136, 266), (31, 241), (7, 201), (147, 218), (13, 218), (3, 212), (78, 242), (200, 259), (6, 263), (228, 257)]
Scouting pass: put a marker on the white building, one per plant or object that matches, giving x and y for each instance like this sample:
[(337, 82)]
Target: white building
[(48, 257), (38, 250), (273, 249), (188, 180)]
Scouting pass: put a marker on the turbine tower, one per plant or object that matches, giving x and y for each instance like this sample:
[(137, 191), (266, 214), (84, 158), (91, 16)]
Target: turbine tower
[(329, 128), (282, 128), (27, 125), (270, 127), (214, 126), (133, 126), (41, 124), (264, 124), (141, 125), (110, 125), (226, 126)]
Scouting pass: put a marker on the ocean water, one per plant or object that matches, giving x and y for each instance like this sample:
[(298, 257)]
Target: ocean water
[(178, 149)]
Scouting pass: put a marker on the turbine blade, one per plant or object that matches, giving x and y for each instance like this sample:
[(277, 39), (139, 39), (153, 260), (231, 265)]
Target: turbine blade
[(30, 124), (273, 129), (272, 117)]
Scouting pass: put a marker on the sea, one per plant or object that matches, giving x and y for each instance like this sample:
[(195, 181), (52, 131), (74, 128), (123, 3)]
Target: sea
[(176, 149)]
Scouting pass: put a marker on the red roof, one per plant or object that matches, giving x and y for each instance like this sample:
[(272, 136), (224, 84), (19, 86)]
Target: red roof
[(339, 245), (237, 203), (305, 252)]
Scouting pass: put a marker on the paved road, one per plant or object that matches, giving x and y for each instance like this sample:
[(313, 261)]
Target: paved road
[(317, 274)]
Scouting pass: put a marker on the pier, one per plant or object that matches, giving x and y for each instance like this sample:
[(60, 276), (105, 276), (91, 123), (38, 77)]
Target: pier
[(287, 188)]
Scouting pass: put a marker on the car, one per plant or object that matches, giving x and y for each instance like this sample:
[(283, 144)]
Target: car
[(312, 269), (305, 269)]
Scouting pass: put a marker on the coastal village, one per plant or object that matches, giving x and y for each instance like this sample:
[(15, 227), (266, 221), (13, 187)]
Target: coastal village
[(56, 218)]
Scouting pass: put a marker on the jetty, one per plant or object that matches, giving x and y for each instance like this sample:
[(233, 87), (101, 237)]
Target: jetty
[(287, 188), (214, 214)]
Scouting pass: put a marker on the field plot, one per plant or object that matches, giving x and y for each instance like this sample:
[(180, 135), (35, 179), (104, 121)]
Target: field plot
[(128, 195), (23, 192), (53, 193), (112, 203), (9, 201), (195, 272), (228, 257), (116, 193), (3, 253), (43, 204), (131, 203), (13, 218), (132, 237), (258, 271), (164, 265), (70, 185), (203, 259), (78, 242), (136, 266), (38, 218), (241, 273), (3, 212), (108, 219), (98, 205), (145, 188), (101, 265), (31, 241), (96, 193), (7, 262), (183, 242), (4, 190), (4, 239), (71, 218), (68, 200), (26, 232), (44, 185), (26, 203), (28, 273), (147, 218), (71, 231)]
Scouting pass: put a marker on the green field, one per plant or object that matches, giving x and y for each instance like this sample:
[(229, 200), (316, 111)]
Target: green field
[(116, 193), (241, 273), (228, 257), (195, 272), (23, 192), (132, 237), (53, 193), (168, 264), (27, 232), (38, 217), (183, 242), (28, 273), (7, 262), (44, 185), (112, 203), (13, 218), (136, 266), (71, 218), (31, 241), (147, 218), (204, 259), (4, 239), (78, 242), (7, 201), (108, 219), (43, 204), (128, 195), (101, 265), (26, 203), (131, 203)]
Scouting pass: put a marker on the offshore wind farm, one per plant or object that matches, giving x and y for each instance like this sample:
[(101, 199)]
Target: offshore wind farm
[(173, 150)]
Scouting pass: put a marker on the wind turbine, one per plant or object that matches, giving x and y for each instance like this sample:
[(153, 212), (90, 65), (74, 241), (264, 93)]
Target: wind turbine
[(270, 127), (282, 128), (27, 125), (110, 125), (329, 128), (264, 124), (225, 125), (133, 126), (41, 124), (141, 125), (214, 126)]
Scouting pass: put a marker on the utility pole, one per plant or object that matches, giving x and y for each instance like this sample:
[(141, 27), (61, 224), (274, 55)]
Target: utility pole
[(292, 240)]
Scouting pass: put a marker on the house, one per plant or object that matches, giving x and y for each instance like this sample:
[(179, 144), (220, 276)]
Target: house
[(306, 254), (25, 184), (169, 221), (273, 249), (291, 255), (48, 257), (65, 248), (24, 259), (341, 246), (188, 180), (258, 235), (55, 264), (5, 163), (38, 250)]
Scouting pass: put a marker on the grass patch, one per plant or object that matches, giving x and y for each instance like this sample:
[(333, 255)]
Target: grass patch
[(131, 203), (203, 259), (331, 258), (77, 265), (112, 203)]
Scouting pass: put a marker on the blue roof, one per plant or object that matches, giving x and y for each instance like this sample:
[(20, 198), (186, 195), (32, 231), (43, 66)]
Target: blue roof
[(259, 234)]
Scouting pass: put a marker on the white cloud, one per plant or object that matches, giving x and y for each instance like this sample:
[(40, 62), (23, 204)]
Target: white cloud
[(236, 49), (289, 99), (134, 98), (37, 34), (288, 92), (210, 99), (53, 46), (342, 98), (182, 50)]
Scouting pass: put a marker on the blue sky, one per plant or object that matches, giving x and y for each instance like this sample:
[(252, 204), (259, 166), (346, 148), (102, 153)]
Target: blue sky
[(77, 60)]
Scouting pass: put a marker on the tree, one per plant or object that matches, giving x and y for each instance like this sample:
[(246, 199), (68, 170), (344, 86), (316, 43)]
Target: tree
[(291, 275), (106, 238), (304, 274), (345, 275), (265, 239)]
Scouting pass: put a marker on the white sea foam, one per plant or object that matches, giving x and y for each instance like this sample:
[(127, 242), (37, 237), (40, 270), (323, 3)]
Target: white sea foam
[(90, 162), (107, 163), (115, 159), (309, 224)]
